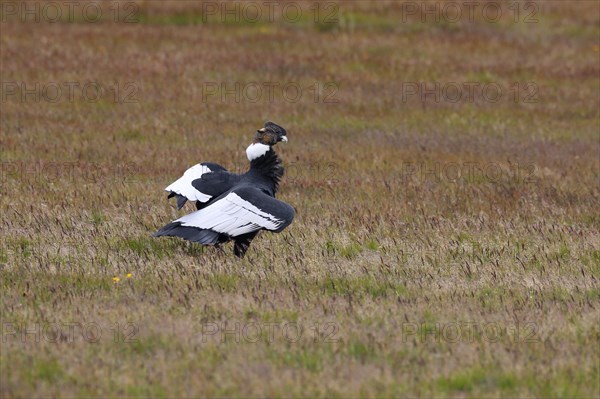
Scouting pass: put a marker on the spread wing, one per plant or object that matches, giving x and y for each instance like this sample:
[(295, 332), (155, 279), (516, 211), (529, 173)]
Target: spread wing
[(184, 190), (242, 211)]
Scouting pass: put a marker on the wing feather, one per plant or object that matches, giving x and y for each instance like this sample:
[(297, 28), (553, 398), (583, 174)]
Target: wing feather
[(183, 185), (242, 211)]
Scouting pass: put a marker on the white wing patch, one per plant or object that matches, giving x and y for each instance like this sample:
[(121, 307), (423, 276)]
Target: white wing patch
[(231, 215), (183, 185)]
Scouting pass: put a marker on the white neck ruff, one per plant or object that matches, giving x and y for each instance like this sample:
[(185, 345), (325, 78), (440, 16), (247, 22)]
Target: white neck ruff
[(256, 150)]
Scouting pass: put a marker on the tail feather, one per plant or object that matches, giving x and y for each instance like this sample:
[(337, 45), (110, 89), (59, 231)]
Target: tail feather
[(194, 234), (181, 200)]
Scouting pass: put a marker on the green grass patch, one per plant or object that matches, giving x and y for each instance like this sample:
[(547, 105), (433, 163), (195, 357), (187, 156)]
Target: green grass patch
[(359, 287)]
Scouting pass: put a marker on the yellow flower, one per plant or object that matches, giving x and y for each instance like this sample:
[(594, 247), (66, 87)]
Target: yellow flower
[(116, 279), (129, 275)]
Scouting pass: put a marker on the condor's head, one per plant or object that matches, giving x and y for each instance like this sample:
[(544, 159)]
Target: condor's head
[(271, 134), (264, 139)]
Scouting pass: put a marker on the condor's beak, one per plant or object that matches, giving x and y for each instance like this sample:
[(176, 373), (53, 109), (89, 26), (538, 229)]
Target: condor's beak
[(284, 139)]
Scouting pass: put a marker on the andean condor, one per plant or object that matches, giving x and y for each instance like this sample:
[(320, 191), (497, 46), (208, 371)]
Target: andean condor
[(233, 206)]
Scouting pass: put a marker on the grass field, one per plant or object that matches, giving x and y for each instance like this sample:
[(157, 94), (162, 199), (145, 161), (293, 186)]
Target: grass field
[(446, 241)]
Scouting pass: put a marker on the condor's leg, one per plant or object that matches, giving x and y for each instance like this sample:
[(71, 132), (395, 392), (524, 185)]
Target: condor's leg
[(242, 243)]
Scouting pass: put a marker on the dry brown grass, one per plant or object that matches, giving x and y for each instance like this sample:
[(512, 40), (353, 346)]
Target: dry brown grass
[(414, 219)]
